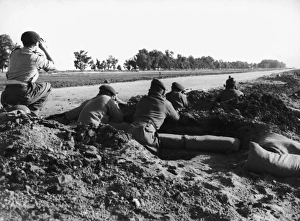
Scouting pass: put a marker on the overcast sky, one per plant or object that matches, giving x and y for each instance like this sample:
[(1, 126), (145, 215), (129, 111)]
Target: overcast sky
[(230, 30)]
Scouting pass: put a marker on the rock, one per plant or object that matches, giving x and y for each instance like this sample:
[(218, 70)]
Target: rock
[(29, 189), (70, 144), (167, 217), (91, 133), (223, 198), (179, 197), (136, 203), (36, 169), (56, 188), (90, 151), (65, 179), (77, 163), (244, 211), (173, 171)]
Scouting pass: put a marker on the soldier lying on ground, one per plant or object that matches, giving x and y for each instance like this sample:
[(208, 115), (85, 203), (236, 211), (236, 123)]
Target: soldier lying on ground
[(230, 91), (151, 111), (177, 97), (102, 108), (74, 113)]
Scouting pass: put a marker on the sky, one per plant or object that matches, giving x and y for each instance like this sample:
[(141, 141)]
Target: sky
[(228, 30)]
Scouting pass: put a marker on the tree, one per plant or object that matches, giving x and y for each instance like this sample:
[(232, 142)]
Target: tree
[(133, 64), (126, 65), (156, 59), (143, 59), (222, 64), (217, 64), (130, 64), (6, 47), (119, 68), (168, 60), (82, 60), (267, 63), (182, 62), (103, 65), (112, 62), (92, 65), (108, 62), (208, 62), (192, 62), (98, 64)]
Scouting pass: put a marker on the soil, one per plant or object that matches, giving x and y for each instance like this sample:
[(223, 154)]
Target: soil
[(57, 170)]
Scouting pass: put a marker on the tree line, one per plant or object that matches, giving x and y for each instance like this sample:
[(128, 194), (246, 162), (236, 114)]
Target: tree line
[(157, 60), (82, 61), (154, 60), (145, 60)]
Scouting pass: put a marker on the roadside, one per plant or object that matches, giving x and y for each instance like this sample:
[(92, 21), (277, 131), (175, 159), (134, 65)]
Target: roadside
[(63, 99), (61, 79)]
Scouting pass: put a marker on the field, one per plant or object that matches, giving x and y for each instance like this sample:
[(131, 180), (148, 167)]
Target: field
[(76, 78), (57, 170)]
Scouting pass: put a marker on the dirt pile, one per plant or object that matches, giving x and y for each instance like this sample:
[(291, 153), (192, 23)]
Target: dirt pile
[(54, 171), (262, 109)]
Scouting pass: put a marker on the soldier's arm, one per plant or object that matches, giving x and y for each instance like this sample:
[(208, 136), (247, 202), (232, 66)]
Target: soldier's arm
[(184, 101), (115, 113), (172, 112), (47, 63)]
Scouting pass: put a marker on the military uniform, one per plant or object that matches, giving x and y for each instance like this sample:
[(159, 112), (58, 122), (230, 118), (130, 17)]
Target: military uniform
[(230, 92), (23, 71), (150, 114), (176, 97), (101, 109)]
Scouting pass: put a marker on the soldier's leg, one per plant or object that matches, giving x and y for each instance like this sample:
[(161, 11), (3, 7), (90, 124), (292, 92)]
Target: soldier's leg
[(37, 96)]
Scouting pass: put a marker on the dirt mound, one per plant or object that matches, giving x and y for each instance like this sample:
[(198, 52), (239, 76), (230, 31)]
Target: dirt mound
[(55, 171), (260, 110)]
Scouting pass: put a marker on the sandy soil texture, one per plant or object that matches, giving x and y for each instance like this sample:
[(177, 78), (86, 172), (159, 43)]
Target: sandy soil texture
[(57, 170)]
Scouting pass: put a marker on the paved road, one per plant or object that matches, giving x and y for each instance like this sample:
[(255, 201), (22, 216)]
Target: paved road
[(62, 99)]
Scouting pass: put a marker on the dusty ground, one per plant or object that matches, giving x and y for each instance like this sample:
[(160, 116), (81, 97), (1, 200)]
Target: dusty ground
[(51, 170)]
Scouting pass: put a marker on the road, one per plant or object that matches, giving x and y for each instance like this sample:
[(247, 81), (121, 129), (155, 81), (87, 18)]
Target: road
[(62, 99)]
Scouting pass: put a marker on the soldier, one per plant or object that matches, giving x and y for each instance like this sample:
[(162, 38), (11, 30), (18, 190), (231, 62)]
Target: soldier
[(101, 109), (150, 114), (74, 113), (230, 91), (23, 71), (177, 97)]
